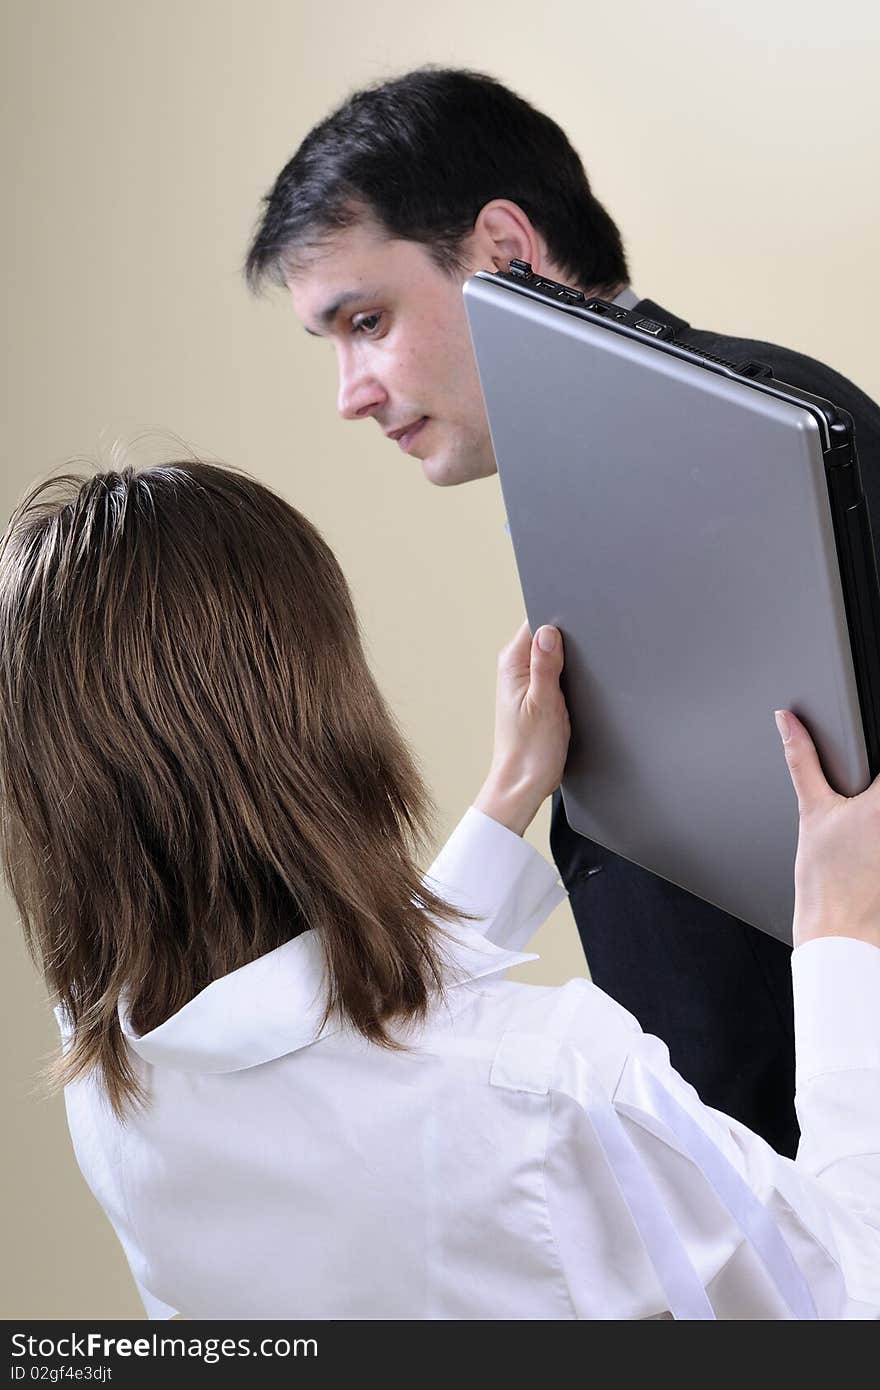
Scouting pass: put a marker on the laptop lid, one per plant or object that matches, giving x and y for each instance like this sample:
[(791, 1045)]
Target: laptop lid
[(674, 522)]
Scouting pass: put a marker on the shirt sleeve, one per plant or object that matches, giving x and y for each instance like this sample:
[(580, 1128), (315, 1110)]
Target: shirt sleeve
[(154, 1308), (486, 870), (690, 1200), (837, 1050)]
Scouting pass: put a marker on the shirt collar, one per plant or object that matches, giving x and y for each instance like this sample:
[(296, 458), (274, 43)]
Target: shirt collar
[(627, 299), (274, 1005)]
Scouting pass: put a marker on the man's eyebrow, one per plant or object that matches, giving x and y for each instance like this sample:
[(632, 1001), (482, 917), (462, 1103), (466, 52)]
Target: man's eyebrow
[(328, 314)]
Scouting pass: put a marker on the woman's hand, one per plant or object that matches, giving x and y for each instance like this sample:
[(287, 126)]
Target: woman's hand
[(531, 729), (837, 870)]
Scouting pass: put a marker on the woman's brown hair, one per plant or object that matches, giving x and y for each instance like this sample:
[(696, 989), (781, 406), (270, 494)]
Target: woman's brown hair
[(195, 762)]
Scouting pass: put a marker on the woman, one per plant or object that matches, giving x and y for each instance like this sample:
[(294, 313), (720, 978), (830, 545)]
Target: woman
[(296, 1078)]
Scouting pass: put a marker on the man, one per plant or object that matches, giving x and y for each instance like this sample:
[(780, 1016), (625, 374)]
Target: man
[(385, 209)]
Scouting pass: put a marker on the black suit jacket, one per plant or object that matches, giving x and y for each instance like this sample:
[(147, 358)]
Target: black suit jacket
[(718, 992)]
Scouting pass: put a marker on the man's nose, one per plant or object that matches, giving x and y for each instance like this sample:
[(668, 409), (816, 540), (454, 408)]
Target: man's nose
[(360, 394)]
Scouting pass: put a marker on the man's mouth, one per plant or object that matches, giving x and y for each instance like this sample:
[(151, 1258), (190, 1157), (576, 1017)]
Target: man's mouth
[(404, 436)]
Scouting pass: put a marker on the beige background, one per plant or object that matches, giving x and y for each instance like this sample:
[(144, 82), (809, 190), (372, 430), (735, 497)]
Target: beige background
[(735, 145)]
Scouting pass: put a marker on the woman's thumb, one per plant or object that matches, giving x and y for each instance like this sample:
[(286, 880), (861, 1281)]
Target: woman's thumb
[(546, 660), (803, 762)]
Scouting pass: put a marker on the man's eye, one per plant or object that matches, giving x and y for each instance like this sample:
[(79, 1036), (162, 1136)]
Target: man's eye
[(367, 323)]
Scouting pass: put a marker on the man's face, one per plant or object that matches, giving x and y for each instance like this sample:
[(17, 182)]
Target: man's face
[(403, 350)]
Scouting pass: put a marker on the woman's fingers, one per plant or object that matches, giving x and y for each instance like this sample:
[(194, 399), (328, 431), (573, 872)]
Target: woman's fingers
[(514, 659)]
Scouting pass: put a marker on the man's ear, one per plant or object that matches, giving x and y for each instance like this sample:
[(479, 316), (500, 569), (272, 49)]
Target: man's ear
[(502, 233)]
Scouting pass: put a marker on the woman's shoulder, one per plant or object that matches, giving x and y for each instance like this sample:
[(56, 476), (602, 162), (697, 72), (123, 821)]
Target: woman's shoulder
[(539, 1019)]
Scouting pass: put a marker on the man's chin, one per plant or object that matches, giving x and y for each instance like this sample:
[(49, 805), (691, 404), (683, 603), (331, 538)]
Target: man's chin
[(443, 471), (440, 473)]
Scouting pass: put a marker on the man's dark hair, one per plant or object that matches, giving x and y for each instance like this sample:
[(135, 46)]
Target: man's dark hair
[(422, 154)]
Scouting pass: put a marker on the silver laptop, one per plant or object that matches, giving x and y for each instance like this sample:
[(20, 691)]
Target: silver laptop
[(698, 533)]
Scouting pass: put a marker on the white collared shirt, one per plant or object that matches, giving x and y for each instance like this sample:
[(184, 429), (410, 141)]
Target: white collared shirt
[(532, 1156)]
